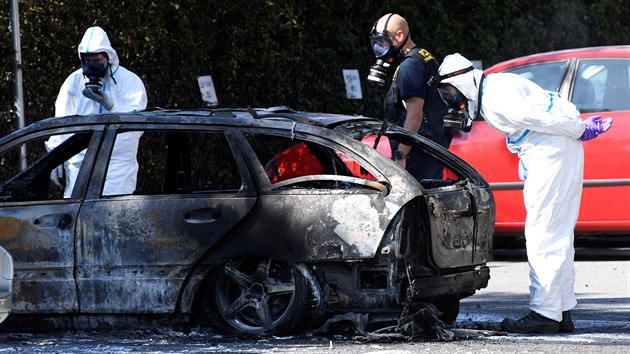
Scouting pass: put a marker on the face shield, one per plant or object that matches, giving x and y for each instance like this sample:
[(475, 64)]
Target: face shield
[(381, 42), (452, 96), (382, 45)]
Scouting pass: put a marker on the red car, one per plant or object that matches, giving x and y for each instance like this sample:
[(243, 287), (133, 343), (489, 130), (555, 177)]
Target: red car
[(596, 80)]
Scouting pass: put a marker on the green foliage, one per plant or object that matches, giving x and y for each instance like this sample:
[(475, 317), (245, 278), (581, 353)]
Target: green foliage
[(280, 52)]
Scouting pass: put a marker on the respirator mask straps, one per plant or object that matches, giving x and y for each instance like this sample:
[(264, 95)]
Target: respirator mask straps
[(385, 52), (381, 42), (436, 80)]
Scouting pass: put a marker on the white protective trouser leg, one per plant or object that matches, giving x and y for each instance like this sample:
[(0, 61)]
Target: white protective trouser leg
[(552, 196)]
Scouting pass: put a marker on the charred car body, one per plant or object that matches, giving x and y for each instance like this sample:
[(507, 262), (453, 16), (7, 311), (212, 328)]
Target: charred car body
[(261, 221)]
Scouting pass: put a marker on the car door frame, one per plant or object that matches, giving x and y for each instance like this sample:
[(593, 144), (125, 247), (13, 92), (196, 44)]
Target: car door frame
[(107, 280), (43, 284)]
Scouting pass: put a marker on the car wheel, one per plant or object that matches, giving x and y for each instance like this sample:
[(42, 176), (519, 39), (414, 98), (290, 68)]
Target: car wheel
[(258, 296), (449, 306)]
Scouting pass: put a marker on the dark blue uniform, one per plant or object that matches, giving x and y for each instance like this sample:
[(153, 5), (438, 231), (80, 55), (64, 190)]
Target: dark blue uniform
[(411, 81)]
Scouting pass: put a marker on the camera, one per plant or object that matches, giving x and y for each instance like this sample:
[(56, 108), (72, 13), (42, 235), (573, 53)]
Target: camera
[(379, 72), (457, 121)]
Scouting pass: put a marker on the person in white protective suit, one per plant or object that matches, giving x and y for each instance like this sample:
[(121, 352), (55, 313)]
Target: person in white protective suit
[(101, 86), (546, 132)]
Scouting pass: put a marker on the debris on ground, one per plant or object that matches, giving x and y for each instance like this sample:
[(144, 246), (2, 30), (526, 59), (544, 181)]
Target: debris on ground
[(423, 323)]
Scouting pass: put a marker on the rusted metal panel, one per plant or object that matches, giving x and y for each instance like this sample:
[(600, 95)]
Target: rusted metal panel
[(342, 294), (140, 289), (43, 253), (458, 226), (486, 212), (139, 264)]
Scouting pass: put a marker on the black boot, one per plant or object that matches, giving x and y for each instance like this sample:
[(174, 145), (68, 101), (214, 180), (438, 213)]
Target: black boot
[(566, 326), (532, 323)]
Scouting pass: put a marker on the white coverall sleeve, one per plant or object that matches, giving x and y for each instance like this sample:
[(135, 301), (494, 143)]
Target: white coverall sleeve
[(66, 103), (527, 106), (130, 95)]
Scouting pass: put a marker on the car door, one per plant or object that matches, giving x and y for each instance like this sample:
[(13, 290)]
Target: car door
[(601, 86), (37, 224), (460, 208), (137, 249), (501, 171)]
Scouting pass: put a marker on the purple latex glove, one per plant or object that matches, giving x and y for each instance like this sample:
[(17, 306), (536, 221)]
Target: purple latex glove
[(595, 125)]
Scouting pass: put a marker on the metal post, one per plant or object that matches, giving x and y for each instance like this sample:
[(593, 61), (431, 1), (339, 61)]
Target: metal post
[(17, 76)]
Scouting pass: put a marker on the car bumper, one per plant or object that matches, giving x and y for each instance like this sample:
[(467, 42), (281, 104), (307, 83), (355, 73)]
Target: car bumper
[(456, 284)]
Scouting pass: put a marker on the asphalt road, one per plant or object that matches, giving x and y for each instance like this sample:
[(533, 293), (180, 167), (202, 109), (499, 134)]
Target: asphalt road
[(602, 321)]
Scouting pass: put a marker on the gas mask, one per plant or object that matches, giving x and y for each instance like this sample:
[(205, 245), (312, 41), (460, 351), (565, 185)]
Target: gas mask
[(94, 67), (385, 54), (457, 118)]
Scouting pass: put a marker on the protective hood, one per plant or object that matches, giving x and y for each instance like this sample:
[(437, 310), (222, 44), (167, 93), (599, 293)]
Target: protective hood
[(467, 83), (95, 40)]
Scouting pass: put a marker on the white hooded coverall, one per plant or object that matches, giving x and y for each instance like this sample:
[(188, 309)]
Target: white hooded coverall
[(544, 130), (128, 94)]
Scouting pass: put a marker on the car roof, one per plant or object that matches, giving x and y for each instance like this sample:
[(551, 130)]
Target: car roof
[(618, 51), (273, 117)]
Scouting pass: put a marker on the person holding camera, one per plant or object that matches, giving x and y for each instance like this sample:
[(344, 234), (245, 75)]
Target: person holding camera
[(410, 103), (546, 132), (101, 85)]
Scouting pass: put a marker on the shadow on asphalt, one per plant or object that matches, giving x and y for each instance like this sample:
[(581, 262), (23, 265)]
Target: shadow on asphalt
[(587, 248)]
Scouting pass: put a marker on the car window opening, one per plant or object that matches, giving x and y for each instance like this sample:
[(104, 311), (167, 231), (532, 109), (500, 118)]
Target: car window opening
[(34, 183), (176, 162), (284, 159)]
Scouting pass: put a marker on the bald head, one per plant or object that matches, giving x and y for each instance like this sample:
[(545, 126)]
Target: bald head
[(396, 23), (397, 29)]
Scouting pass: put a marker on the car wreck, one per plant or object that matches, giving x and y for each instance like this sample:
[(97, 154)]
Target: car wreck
[(255, 221)]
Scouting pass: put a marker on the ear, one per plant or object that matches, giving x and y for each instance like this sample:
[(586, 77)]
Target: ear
[(399, 37)]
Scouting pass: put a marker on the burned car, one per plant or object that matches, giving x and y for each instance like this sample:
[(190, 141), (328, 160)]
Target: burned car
[(6, 283), (259, 221)]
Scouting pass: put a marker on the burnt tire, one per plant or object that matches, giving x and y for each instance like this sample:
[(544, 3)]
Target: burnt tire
[(448, 306), (259, 296)]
